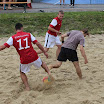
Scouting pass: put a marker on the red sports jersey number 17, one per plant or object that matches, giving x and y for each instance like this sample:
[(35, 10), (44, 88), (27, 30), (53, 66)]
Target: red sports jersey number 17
[(20, 45)]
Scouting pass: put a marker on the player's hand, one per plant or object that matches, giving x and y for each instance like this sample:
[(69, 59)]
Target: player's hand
[(46, 54), (58, 33), (86, 61)]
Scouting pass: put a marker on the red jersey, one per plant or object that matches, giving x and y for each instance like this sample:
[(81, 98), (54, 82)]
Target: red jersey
[(22, 42), (56, 24)]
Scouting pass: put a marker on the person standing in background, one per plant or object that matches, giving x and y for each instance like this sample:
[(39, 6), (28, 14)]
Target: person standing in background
[(63, 2), (72, 3), (29, 4), (9, 5)]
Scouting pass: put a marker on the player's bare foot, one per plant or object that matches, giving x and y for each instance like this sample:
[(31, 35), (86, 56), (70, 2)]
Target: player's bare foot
[(27, 89), (51, 78), (50, 67)]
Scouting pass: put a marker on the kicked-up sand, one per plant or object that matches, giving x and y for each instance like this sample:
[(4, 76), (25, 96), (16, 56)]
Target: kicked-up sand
[(67, 88)]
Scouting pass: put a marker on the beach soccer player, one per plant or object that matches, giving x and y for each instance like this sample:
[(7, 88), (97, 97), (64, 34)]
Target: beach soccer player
[(22, 41), (52, 37), (68, 49)]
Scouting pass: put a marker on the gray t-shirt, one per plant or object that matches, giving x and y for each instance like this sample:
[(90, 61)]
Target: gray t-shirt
[(75, 37)]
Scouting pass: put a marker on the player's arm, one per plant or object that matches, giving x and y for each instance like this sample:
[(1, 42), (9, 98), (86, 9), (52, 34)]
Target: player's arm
[(83, 54), (2, 47), (39, 45), (52, 25), (41, 48), (63, 36), (53, 30), (7, 44)]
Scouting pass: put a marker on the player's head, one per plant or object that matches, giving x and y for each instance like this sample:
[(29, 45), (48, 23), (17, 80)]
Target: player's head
[(18, 26), (85, 32), (60, 14)]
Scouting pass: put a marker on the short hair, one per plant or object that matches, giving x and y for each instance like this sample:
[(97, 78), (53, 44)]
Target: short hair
[(18, 26), (85, 31), (61, 11)]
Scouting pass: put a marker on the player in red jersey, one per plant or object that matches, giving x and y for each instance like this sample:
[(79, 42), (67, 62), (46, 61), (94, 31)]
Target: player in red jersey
[(52, 38), (22, 41)]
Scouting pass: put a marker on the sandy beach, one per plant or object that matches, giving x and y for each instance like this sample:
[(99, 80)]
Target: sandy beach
[(67, 89)]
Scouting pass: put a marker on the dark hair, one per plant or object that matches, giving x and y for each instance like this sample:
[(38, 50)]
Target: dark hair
[(85, 31), (18, 26), (61, 11)]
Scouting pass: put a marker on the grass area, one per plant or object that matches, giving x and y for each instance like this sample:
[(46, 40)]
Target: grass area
[(37, 23)]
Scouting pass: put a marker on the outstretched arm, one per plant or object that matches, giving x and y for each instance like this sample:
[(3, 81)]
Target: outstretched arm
[(63, 36), (41, 48), (83, 54), (2, 47)]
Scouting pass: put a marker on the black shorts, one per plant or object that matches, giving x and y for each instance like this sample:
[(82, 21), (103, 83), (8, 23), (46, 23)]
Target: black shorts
[(69, 54)]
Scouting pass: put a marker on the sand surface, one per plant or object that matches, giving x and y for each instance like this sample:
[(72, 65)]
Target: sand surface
[(67, 89)]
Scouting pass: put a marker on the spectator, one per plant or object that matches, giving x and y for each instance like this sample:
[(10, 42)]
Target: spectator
[(63, 2), (29, 4), (72, 3), (9, 5)]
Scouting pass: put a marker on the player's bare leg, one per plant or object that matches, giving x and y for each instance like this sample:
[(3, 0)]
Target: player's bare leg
[(25, 81), (57, 65), (58, 50), (39, 51), (44, 66), (78, 70)]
